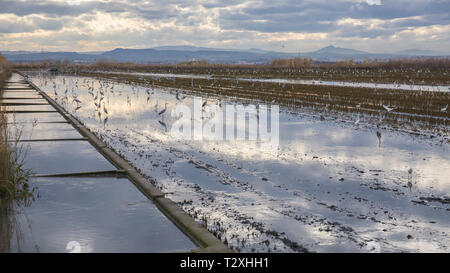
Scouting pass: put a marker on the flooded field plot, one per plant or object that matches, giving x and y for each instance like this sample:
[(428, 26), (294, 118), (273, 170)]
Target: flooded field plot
[(333, 181), (97, 213), (59, 157)]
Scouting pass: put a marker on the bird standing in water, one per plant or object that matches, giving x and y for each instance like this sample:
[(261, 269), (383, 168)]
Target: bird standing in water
[(163, 110), (379, 138), (410, 171)]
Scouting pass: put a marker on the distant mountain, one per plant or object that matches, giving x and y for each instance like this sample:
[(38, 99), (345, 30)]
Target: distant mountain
[(338, 51), (17, 52), (419, 52), (152, 55), (55, 56), (259, 51), (176, 54), (185, 48)]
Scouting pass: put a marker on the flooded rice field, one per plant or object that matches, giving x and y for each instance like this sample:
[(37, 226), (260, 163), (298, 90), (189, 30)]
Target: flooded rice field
[(411, 87), (324, 186)]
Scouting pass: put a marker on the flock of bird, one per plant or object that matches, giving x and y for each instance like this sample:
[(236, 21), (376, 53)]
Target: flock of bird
[(98, 96), (98, 90)]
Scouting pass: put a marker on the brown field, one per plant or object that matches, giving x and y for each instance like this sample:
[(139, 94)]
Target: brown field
[(402, 71)]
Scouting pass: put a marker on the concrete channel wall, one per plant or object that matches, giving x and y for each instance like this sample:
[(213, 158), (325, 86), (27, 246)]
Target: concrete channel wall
[(206, 241)]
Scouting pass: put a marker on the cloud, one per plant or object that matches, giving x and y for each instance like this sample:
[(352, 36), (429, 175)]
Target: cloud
[(307, 24)]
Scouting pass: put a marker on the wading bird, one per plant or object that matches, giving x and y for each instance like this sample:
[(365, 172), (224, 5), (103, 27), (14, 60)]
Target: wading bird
[(163, 110), (410, 171), (379, 138), (357, 121), (387, 108), (163, 124), (178, 96)]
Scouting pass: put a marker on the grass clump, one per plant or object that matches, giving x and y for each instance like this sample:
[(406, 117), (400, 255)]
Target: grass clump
[(13, 176), (15, 191)]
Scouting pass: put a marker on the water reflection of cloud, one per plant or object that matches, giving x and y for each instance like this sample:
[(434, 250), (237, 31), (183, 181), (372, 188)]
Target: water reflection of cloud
[(310, 153)]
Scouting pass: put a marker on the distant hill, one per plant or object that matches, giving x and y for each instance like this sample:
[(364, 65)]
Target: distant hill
[(338, 51), (176, 54), (418, 52), (185, 48), (154, 55)]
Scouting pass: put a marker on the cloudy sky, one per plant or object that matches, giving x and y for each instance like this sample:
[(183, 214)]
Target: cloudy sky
[(282, 25)]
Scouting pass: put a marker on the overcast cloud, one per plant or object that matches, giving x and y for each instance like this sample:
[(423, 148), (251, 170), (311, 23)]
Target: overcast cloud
[(286, 25)]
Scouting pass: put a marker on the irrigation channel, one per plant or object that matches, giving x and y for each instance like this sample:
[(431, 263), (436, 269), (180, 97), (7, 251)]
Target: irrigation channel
[(88, 198)]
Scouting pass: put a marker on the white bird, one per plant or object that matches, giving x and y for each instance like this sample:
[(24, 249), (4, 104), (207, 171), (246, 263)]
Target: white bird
[(389, 109), (178, 96), (445, 108), (357, 121), (163, 110)]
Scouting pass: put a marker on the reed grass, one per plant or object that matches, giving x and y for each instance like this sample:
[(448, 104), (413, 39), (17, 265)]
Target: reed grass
[(14, 188), (13, 175)]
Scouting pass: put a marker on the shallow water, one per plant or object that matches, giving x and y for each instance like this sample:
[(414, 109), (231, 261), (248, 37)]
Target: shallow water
[(101, 214), (97, 212), (329, 186), (415, 87)]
